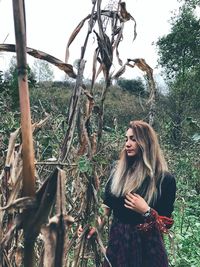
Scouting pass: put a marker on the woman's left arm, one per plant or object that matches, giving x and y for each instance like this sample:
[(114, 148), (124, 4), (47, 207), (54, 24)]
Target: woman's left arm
[(165, 203), (162, 212)]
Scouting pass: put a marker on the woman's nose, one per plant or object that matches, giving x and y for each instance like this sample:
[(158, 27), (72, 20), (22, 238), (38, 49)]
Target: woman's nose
[(128, 143)]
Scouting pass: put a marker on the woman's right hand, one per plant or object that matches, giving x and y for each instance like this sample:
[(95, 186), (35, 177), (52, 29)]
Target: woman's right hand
[(91, 231), (79, 231)]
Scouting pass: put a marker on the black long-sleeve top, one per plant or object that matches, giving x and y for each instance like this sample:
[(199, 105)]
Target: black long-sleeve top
[(164, 203)]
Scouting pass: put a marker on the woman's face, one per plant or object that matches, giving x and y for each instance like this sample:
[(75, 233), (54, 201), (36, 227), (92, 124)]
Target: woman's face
[(131, 146)]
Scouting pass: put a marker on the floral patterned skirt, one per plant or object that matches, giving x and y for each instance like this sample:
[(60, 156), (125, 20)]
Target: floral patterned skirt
[(130, 247)]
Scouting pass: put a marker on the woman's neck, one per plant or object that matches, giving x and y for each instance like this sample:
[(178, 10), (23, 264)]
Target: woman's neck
[(132, 161)]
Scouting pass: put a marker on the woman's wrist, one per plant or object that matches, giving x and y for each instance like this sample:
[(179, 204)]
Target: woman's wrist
[(147, 213)]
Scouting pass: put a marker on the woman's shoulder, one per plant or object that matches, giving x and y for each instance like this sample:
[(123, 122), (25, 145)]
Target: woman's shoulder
[(168, 179), (168, 176)]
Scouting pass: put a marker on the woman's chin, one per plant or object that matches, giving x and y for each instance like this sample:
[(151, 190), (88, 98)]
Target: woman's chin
[(131, 154)]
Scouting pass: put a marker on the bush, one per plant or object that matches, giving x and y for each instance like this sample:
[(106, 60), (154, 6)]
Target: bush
[(133, 86)]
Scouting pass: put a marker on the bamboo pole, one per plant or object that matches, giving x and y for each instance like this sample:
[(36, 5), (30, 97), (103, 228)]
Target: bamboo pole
[(26, 127)]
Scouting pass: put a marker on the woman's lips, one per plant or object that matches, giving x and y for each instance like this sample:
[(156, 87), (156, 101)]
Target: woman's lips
[(130, 151)]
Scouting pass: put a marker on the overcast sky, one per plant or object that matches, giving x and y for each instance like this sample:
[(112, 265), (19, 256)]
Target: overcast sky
[(50, 22)]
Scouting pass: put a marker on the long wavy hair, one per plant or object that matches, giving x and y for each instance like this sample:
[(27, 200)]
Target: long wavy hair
[(148, 165)]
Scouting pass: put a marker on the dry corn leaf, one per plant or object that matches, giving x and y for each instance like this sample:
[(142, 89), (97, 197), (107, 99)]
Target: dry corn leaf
[(67, 68)]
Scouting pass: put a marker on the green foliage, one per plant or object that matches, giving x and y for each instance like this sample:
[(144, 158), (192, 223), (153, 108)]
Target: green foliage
[(180, 123), (9, 122), (49, 138), (118, 100), (11, 82), (179, 53), (50, 99), (84, 165), (179, 50), (133, 86), (184, 250), (191, 3)]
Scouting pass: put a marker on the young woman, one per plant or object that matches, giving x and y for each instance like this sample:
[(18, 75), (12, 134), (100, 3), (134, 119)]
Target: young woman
[(141, 193)]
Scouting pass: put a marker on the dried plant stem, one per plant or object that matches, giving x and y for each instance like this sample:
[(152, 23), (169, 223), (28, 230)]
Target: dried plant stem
[(73, 111), (26, 127), (101, 115)]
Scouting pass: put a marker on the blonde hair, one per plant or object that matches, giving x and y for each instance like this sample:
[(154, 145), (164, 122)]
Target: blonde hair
[(149, 163)]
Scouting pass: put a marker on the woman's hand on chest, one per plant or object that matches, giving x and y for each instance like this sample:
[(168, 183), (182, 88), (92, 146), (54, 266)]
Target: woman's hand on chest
[(136, 202)]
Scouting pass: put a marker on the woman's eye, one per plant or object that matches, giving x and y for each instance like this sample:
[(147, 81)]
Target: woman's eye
[(130, 138)]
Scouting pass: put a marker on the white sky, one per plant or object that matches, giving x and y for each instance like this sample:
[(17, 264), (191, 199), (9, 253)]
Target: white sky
[(50, 23)]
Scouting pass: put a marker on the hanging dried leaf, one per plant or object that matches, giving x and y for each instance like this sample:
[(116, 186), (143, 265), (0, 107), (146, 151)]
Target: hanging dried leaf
[(67, 68), (141, 64), (105, 50), (125, 16), (84, 140), (119, 72), (116, 44), (99, 69), (94, 66), (45, 197), (73, 36)]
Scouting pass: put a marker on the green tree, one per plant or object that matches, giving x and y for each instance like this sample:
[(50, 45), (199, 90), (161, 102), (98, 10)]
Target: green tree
[(179, 51), (43, 71), (179, 55), (11, 81)]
